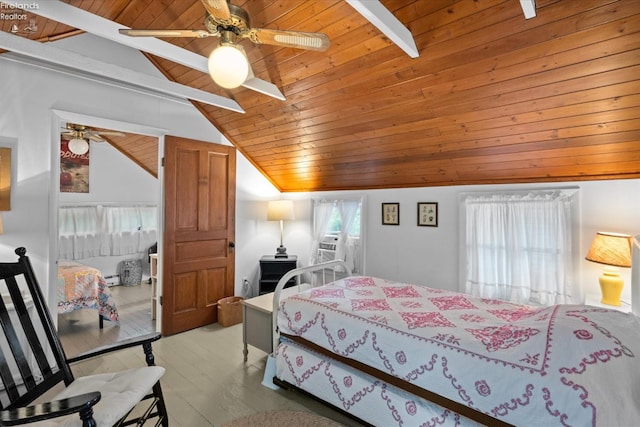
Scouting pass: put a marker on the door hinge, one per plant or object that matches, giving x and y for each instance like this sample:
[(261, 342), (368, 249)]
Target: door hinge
[(160, 299), (162, 162)]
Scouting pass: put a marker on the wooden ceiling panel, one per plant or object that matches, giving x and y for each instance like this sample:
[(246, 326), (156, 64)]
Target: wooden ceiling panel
[(141, 149), (492, 98)]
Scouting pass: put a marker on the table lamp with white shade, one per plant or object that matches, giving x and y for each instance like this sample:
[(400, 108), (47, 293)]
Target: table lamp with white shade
[(613, 250), (280, 210)]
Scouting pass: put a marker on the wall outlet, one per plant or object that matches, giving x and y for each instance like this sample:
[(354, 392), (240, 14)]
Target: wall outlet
[(246, 288)]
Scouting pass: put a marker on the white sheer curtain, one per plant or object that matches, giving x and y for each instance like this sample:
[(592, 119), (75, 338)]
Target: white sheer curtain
[(345, 248), (128, 229), (148, 227), (339, 219), (79, 232), (519, 247), (99, 230), (120, 227), (321, 214), (66, 232)]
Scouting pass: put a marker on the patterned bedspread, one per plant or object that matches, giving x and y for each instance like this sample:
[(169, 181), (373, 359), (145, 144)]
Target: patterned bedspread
[(560, 365), (80, 286)]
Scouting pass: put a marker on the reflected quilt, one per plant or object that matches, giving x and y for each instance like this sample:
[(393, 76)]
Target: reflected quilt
[(80, 286)]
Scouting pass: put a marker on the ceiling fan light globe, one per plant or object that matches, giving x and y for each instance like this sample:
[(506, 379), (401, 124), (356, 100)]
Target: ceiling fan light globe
[(78, 146), (228, 66)]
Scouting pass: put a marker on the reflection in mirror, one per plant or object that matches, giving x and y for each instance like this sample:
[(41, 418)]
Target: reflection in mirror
[(107, 219)]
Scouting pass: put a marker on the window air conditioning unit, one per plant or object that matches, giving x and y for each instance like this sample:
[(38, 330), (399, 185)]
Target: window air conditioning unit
[(327, 249), (328, 246)]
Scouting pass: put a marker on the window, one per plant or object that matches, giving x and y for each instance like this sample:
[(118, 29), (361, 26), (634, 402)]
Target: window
[(335, 223), (518, 246), (337, 232)]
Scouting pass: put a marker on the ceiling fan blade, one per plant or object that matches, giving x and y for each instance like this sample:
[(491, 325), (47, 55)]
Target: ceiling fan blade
[(200, 34), (217, 8), (108, 133), (94, 137), (296, 39)]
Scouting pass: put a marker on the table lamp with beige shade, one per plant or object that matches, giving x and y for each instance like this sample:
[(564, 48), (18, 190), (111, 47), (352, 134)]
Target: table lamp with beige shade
[(280, 210), (613, 250)]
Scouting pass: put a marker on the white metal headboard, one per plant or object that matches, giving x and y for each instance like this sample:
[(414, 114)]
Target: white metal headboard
[(331, 265)]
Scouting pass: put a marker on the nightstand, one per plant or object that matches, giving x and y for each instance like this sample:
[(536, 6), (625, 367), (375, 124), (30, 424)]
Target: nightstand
[(257, 320), (271, 271), (594, 300)]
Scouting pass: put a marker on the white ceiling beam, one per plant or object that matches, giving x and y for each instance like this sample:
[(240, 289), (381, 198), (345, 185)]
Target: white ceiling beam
[(262, 86), (385, 21), (99, 26), (528, 8), (64, 58)]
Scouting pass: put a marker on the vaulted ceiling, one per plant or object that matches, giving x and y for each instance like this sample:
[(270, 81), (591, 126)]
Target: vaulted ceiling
[(492, 97)]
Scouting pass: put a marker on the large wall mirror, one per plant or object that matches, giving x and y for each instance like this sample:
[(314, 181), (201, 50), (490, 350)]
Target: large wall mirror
[(106, 199)]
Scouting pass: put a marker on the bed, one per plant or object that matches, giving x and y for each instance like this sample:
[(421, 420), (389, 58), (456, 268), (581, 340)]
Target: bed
[(392, 353), (81, 286)]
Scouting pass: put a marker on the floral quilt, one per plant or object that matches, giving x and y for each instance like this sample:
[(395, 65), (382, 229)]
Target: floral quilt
[(560, 365)]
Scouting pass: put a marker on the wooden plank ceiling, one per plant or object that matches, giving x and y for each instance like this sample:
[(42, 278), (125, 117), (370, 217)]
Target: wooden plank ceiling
[(493, 98)]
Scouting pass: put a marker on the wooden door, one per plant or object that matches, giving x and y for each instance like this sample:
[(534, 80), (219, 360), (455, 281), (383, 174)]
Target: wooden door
[(199, 229)]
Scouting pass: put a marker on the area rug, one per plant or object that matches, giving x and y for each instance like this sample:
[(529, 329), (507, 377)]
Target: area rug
[(283, 419)]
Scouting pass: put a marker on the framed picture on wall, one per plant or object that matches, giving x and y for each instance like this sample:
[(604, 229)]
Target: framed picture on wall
[(391, 214), (428, 214), (74, 170)]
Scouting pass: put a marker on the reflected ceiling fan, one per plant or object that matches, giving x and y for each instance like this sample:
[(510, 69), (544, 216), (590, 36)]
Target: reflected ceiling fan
[(80, 135), (228, 63)]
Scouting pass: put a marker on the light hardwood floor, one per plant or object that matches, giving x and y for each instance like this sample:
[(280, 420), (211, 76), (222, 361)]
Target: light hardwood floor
[(207, 383)]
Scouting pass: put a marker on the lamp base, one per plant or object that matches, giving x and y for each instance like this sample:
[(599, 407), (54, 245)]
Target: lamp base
[(281, 252), (611, 286)]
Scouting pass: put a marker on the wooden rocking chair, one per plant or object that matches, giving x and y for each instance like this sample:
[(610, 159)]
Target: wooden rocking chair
[(32, 362)]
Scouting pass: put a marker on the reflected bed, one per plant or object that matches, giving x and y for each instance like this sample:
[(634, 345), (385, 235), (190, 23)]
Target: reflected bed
[(81, 286)]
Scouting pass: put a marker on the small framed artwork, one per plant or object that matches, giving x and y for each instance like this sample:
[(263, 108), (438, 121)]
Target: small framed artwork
[(428, 214), (391, 214), (74, 170)]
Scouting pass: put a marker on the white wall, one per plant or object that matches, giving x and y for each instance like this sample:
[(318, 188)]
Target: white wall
[(429, 255), (114, 178), (255, 236)]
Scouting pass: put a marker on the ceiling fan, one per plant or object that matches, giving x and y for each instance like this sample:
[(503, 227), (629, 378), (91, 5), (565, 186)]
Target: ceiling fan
[(228, 63), (80, 135)]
